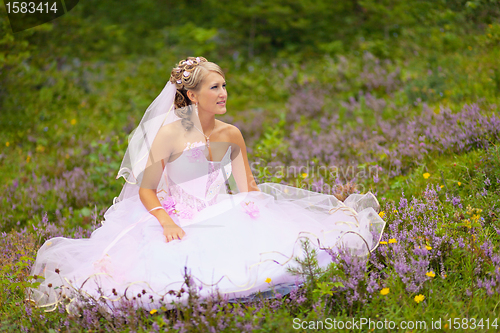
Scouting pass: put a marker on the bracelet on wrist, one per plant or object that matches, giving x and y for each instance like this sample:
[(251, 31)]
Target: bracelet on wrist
[(156, 208)]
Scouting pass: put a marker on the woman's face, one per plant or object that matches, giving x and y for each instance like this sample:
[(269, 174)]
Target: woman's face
[(212, 95)]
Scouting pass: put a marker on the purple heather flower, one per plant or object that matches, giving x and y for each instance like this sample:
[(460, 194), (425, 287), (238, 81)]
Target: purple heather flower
[(403, 202), (461, 243)]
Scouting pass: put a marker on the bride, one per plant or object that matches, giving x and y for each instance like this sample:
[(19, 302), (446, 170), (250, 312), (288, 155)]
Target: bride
[(190, 204)]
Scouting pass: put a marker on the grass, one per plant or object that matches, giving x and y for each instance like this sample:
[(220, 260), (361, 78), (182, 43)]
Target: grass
[(67, 130)]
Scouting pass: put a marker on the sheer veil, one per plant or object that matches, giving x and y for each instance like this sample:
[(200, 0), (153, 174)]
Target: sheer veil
[(141, 139), (164, 133)]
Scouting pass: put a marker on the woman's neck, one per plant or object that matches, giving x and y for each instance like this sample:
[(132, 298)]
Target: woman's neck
[(207, 122)]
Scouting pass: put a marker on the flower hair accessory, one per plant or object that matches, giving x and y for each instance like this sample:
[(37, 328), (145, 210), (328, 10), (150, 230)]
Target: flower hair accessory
[(184, 69), (251, 209)]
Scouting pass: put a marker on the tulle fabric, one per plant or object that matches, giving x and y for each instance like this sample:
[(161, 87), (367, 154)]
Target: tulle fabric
[(225, 248)]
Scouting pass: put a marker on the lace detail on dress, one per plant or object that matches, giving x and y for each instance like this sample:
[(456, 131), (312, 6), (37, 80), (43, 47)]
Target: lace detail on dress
[(181, 196), (195, 151), (214, 180), (190, 145)]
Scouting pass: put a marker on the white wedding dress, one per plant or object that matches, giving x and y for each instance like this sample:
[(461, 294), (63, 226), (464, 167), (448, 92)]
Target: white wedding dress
[(236, 244)]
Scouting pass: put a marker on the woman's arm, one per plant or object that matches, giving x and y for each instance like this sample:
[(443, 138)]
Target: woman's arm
[(152, 174), (150, 200), (241, 169)]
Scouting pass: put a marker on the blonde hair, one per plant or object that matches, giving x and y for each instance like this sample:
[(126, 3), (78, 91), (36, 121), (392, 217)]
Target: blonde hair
[(188, 75)]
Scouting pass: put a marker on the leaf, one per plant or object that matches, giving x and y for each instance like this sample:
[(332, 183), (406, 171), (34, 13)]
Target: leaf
[(85, 211)]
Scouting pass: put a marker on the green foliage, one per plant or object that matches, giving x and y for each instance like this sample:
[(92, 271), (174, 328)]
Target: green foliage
[(307, 267), (13, 277), (71, 90)]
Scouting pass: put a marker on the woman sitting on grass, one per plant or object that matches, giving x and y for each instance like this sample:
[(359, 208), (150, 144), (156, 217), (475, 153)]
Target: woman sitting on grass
[(190, 206)]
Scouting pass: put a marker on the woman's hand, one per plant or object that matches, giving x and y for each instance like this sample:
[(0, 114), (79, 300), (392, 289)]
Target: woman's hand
[(172, 231)]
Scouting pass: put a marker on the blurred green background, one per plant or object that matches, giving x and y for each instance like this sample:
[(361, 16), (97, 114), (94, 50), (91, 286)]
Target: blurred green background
[(71, 90), (407, 87)]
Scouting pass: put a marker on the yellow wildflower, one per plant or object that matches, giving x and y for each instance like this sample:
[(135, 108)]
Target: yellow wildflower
[(428, 247), (153, 311), (395, 211), (383, 242), (459, 183), (392, 240), (268, 280), (419, 298), (441, 186), (73, 121), (7, 144), (430, 274), (304, 175), (384, 291), (381, 214), (426, 175), (28, 159)]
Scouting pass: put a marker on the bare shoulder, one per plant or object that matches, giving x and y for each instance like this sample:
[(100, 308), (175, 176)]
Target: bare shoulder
[(170, 130), (230, 133)]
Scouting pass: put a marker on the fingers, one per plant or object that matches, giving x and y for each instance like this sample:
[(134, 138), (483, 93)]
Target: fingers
[(174, 236), (181, 234)]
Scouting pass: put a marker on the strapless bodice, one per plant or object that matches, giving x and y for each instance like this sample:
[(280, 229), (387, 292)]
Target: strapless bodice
[(192, 180)]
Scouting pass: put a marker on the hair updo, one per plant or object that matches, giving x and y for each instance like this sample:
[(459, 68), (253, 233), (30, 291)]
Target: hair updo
[(188, 75)]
